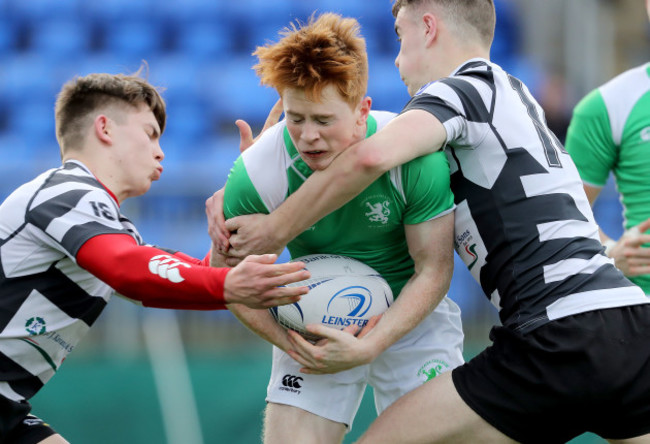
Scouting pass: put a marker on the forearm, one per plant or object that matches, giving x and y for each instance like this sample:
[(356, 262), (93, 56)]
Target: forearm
[(430, 246), (419, 297), (324, 191), (262, 324), (153, 276)]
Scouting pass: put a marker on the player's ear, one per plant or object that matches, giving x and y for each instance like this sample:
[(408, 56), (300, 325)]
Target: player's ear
[(430, 22), (102, 128), (364, 110)]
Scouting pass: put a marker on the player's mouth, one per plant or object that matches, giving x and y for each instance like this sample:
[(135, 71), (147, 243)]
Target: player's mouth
[(314, 154), (157, 173)]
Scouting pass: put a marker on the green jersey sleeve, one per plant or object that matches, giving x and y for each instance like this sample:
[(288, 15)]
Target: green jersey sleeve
[(426, 188), (589, 140), (241, 196)]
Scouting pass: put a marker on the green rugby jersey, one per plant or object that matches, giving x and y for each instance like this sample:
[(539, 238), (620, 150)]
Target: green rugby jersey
[(369, 228), (610, 131)]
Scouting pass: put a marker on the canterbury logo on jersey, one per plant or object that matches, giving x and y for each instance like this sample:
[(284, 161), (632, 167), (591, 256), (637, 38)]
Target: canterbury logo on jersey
[(167, 267)]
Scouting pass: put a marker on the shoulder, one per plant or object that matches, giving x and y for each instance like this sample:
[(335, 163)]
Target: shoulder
[(434, 164), (591, 104), (270, 145), (68, 182), (628, 86), (432, 169), (382, 117)]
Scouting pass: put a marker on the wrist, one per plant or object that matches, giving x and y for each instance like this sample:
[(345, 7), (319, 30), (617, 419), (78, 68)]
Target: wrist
[(280, 228), (609, 244)]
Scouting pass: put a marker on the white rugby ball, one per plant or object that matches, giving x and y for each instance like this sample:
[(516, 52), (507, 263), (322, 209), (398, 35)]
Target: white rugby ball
[(342, 292)]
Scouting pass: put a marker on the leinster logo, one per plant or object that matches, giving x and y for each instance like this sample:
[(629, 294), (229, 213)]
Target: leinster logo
[(35, 326), (349, 306)]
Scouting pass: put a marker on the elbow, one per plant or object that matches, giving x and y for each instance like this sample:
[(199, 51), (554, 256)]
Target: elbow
[(369, 161)]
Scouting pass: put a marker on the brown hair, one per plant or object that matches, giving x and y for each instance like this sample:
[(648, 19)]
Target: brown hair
[(82, 96), (327, 50), (479, 14)]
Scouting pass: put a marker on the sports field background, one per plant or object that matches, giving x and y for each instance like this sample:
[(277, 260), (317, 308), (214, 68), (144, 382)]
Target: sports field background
[(200, 51)]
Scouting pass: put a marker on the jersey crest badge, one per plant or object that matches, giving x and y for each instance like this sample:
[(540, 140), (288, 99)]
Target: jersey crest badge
[(378, 212)]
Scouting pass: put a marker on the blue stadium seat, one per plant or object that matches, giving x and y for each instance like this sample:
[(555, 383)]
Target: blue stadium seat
[(204, 41), (178, 77), (188, 12), (106, 62), (37, 11), (256, 12), (7, 37), (34, 123), (234, 92), (14, 150), (133, 39), (347, 8), (385, 85), (186, 127), (27, 78), (64, 39), (117, 10)]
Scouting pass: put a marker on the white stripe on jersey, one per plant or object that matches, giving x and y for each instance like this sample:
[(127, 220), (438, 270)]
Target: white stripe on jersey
[(60, 226), (570, 267), (555, 180), (266, 166), (7, 392), (28, 356), (51, 192), (486, 170), (396, 178), (594, 300), (621, 94), (565, 229)]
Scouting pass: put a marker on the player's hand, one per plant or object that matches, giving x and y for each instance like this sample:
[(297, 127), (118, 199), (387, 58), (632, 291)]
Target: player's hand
[(369, 326), (217, 222), (257, 282), (217, 258), (338, 350), (252, 234), (629, 253), (246, 133)]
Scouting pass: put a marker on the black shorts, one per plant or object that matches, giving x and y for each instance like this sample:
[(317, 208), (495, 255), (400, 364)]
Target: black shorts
[(17, 426), (584, 373)]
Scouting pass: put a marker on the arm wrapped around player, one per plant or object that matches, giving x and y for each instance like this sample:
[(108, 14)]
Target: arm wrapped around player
[(159, 279)]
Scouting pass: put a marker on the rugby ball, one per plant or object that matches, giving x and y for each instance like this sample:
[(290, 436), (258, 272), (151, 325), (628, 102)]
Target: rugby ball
[(342, 292)]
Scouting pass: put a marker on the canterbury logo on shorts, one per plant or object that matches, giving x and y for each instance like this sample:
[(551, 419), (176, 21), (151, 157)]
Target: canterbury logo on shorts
[(291, 381), (167, 267)]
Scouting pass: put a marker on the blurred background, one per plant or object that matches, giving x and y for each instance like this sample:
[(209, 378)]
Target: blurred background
[(146, 375)]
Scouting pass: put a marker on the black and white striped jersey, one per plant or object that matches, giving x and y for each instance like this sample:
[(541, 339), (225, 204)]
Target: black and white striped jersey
[(47, 301), (524, 226)]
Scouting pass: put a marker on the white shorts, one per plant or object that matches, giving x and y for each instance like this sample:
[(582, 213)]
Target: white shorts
[(432, 347)]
